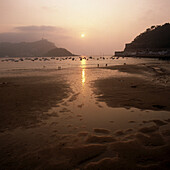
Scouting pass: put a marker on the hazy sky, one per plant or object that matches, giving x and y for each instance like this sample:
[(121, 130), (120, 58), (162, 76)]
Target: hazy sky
[(106, 24)]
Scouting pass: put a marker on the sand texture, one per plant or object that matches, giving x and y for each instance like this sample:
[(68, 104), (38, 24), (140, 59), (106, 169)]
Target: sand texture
[(117, 122), (148, 87), (24, 99)]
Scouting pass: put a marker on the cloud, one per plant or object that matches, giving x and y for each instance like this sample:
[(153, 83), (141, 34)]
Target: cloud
[(34, 28), (17, 37), (33, 33)]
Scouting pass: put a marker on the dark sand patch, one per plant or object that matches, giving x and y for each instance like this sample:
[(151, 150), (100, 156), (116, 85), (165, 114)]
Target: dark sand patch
[(24, 100), (82, 154), (134, 91), (149, 129), (125, 155), (166, 132), (65, 110), (119, 133), (65, 104), (100, 139), (135, 155), (154, 139), (133, 86), (146, 121), (100, 106), (69, 117), (167, 120), (105, 163), (80, 105), (69, 125), (118, 94), (79, 115), (111, 121), (101, 130), (159, 122), (52, 114), (53, 123), (73, 97), (132, 121), (58, 157), (83, 134), (129, 137), (158, 106), (129, 130), (142, 151)]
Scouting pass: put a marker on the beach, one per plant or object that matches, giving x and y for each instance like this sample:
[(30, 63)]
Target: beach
[(23, 99), (115, 117), (84, 85), (147, 87)]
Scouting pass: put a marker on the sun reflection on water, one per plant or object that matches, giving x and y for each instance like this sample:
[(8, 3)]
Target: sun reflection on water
[(83, 76), (83, 65)]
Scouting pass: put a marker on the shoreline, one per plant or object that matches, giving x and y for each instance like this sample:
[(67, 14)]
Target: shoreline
[(161, 57), (147, 87), (29, 141)]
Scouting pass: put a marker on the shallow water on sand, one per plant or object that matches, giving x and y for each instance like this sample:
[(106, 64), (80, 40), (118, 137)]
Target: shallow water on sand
[(76, 121), (82, 112), (7, 64)]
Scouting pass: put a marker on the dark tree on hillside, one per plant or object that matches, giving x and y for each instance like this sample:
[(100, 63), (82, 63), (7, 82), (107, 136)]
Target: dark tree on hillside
[(153, 38)]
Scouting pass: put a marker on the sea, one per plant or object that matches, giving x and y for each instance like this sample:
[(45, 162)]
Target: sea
[(13, 63), (85, 111)]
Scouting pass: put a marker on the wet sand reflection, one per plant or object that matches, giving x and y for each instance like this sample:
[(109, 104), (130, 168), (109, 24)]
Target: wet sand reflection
[(83, 76), (83, 65)]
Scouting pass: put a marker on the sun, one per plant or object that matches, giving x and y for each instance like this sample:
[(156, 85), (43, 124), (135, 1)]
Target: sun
[(83, 35)]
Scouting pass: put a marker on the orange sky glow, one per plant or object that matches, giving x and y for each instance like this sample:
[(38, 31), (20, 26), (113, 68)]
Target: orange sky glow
[(86, 27)]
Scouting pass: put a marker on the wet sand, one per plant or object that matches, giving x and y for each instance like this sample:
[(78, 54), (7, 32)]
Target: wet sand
[(23, 100), (30, 141), (147, 87)]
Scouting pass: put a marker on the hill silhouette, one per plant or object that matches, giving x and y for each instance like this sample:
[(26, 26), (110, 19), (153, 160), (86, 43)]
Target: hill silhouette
[(58, 52), (154, 38), (31, 49)]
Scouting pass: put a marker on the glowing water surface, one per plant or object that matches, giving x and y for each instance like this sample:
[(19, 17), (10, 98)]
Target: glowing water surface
[(81, 111), (7, 64)]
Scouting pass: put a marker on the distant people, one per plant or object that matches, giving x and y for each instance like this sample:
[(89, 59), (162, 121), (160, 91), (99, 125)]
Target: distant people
[(97, 65)]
